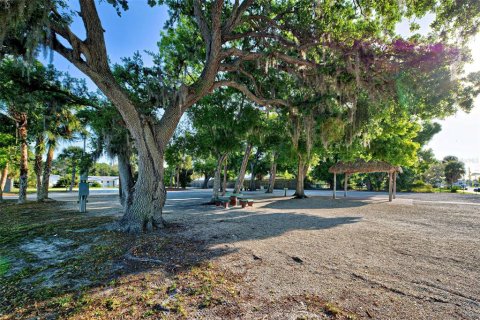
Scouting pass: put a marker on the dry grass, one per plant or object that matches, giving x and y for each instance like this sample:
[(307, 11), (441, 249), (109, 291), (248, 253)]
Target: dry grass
[(107, 278), (283, 259)]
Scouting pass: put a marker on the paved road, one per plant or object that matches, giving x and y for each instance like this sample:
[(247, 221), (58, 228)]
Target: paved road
[(74, 194), (204, 195)]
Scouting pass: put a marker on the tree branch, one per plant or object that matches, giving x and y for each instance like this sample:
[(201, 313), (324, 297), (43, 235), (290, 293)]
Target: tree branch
[(62, 29), (248, 56), (242, 88), (201, 21), (261, 35), (70, 55), (190, 94), (217, 8), (236, 15), (242, 55), (95, 41), (252, 79)]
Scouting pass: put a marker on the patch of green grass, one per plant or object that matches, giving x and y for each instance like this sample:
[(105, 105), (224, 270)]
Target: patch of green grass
[(24, 290), (172, 288), (177, 306), (111, 304), (317, 305), (4, 265), (31, 220), (64, 301), (148, 313), (83, 281), (332, 309), (423, 189), (204, 286)]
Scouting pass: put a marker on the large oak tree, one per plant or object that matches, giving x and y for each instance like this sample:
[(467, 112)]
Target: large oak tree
[(224, 38)]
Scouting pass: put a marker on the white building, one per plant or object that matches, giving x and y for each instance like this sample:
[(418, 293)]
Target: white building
[(105, 181), (53, 180)]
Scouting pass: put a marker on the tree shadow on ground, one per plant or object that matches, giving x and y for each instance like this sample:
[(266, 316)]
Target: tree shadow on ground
[(240, 225), (315, 202), (195, 235), (215, 226)]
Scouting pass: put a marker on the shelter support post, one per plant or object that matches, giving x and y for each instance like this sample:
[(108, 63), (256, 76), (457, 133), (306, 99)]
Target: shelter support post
[(362, 166), (345, 185), (334, 185)]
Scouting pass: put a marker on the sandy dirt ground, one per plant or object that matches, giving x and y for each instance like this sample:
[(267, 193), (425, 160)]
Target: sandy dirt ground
[(401, 260), (415, 258)]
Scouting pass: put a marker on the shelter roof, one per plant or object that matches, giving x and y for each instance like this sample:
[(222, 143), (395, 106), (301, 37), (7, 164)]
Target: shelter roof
[(362, 166)]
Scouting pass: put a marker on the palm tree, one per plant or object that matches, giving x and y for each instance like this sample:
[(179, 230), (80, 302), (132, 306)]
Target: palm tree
[(72, 155), (61, 124), (454, 169), (28, 100)]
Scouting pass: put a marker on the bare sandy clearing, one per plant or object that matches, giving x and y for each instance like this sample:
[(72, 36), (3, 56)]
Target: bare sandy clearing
[(313, 258), (402, 261)]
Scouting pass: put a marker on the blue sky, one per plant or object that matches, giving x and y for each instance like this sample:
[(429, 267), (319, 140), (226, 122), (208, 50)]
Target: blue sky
[(139, 28)]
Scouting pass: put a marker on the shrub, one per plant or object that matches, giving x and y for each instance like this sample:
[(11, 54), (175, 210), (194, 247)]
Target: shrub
[(426, 189), (185, 177), (63, 182), (95, 184), (421, 186), (454, 189), (419, 183)]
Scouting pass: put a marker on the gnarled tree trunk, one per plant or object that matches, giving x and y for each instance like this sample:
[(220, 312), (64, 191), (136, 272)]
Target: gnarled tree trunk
[(150, 136), (21, 119), (143, 208), (243, 169), (224, 185), (126, 178), (47, 169), (253, 186), (143, 211), (74, 174), (273, 174), (38, 167), (205, 181), (301, 173), (3, 181), (177, 177), (218, 173)]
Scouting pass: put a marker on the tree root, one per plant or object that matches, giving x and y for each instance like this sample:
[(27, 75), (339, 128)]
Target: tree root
[(296, 196), (136, 227), (130, 227), (131, 257)]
